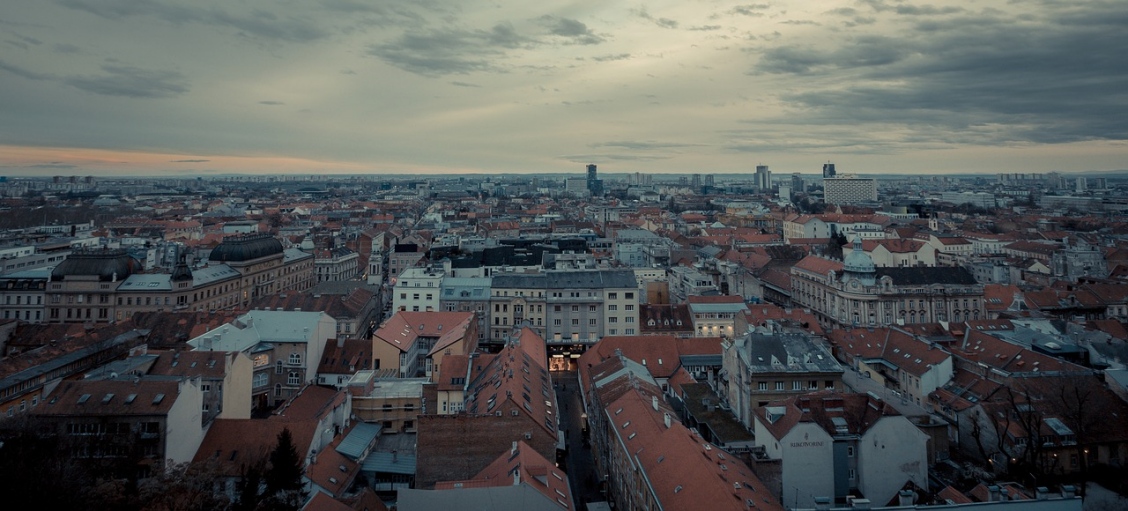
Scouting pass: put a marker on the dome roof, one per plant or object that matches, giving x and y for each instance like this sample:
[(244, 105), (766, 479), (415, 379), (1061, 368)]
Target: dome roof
[(246, 248), (107, 264), (858, 261)]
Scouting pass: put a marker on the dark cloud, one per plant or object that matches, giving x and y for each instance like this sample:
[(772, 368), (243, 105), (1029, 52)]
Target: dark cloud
[(610, 58), (705, 28), (967, 80), (575, 31), (22, 72), (465, 84), (189, 161), (271, 103), (441, 52), (860, 52), (65, 48), (131, 82), (755, 10), (258, 22), (643, 13)]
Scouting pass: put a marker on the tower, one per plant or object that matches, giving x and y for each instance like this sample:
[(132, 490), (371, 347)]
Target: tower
[(594, 184), (828, 170), (763, 178)]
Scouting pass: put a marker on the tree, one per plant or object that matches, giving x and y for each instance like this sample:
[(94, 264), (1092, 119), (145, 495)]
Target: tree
[(249, 491), (284, 488)]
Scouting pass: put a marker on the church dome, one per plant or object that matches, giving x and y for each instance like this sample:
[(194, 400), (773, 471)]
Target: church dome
[(858, 261)]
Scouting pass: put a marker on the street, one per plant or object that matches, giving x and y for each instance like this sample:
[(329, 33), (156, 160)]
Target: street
[(581, 468), (861, 384)]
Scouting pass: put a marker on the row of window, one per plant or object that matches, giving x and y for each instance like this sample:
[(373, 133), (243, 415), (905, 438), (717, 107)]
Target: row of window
[(796, 385)]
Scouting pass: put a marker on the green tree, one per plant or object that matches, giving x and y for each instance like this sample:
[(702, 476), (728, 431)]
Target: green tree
[(249, 496), (284, 488)]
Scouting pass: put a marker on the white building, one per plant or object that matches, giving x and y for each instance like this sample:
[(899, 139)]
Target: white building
[(418, 290), (833, 444), (849, 190)]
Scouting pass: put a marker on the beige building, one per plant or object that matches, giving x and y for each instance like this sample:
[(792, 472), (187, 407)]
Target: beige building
[(856, 292), (394, 403), (760, 368), (101, 286), (414, 343), (715, 316)]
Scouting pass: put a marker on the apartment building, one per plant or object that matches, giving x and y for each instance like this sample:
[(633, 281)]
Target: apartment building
[(761, 368)]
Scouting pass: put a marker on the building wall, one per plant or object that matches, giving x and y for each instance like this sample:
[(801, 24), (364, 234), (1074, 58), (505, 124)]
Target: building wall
[(184, 430), (808, 454), (237, 388), (891, 452)]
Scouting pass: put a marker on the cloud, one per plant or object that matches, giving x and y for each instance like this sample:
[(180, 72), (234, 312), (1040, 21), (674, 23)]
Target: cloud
[(643, 146), (754, 10), (704, 28), (611, 58), (465, 84), (60, 166), (575, 31), (258, 22), (65, 48), (643, 13), (189, 161), (605, 158), (132, 82), (271, 103), (965, 81), (442, 52)]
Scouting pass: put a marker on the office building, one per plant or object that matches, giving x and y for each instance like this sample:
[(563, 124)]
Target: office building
[(763, 178), (849, 190), (828, 170)]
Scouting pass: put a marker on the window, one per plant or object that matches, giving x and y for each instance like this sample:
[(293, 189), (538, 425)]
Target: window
[(556, 322), (628, 296), (261, 379), (629, 319), (575, 322), (277, 389), (575, 308), (609, 307), (295, 359), (852, 475), (829, 384), (779, 385), (850, 451), (630, 331), (612, 296), (205, 387), (294, 378), (591, 322), (278, 367), (796, 385), (762, 385), (813, 385), (556, 308), (627, 307)]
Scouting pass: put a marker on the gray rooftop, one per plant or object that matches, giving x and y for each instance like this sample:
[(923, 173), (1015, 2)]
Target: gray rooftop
[(476, 499), (360, 440), (785, 353), (389, 463)]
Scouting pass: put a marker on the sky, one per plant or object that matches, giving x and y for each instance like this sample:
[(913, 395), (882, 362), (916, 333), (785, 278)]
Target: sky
[(188, 87)]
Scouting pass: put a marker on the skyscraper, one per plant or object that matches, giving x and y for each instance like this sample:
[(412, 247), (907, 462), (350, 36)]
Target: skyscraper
[(797, 184), (695, 182), (828, 170), (763, 178), (594, 184)]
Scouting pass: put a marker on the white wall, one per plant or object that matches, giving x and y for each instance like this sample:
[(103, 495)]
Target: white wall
[(184, 430), (808, 465), (891, 452)]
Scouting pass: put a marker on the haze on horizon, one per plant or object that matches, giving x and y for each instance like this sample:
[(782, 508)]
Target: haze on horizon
[(186, 87)]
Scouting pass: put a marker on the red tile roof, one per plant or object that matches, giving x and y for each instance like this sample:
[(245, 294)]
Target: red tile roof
[(521, 465), (402, 329)]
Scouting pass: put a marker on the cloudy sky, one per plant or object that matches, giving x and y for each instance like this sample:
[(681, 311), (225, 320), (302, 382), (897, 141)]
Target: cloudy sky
[(175, 87)]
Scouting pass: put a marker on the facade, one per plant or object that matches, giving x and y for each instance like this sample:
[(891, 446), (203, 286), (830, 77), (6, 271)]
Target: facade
[(418, 290), (336, 264), (414, 343), (566, 307), (763, 178), (22, 295), (760, 368), (393, 403), (285, 348), (468, 294), (897, 252), (715, 316), (154, 420), (855, 292), (831, 445), (100, 286), (847, 190)]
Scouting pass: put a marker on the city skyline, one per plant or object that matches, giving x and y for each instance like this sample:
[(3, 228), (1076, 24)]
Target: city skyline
[(171, 89)]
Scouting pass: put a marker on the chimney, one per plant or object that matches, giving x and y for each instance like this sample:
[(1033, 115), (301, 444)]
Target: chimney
[(905, 498), (654, 402), (1042, 493), (822, 503), (1068, 491), (666, 419), (993, 493), (860, 503)]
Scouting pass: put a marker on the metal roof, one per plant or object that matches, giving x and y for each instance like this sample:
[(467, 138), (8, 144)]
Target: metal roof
[(360, 439), (389, 463)]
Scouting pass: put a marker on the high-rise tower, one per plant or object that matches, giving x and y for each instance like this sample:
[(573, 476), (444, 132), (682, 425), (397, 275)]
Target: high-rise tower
[(594, 184), (828, 170)]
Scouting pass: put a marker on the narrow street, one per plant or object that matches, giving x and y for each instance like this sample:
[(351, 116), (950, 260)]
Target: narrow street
[(581, 473), (860, 383)]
